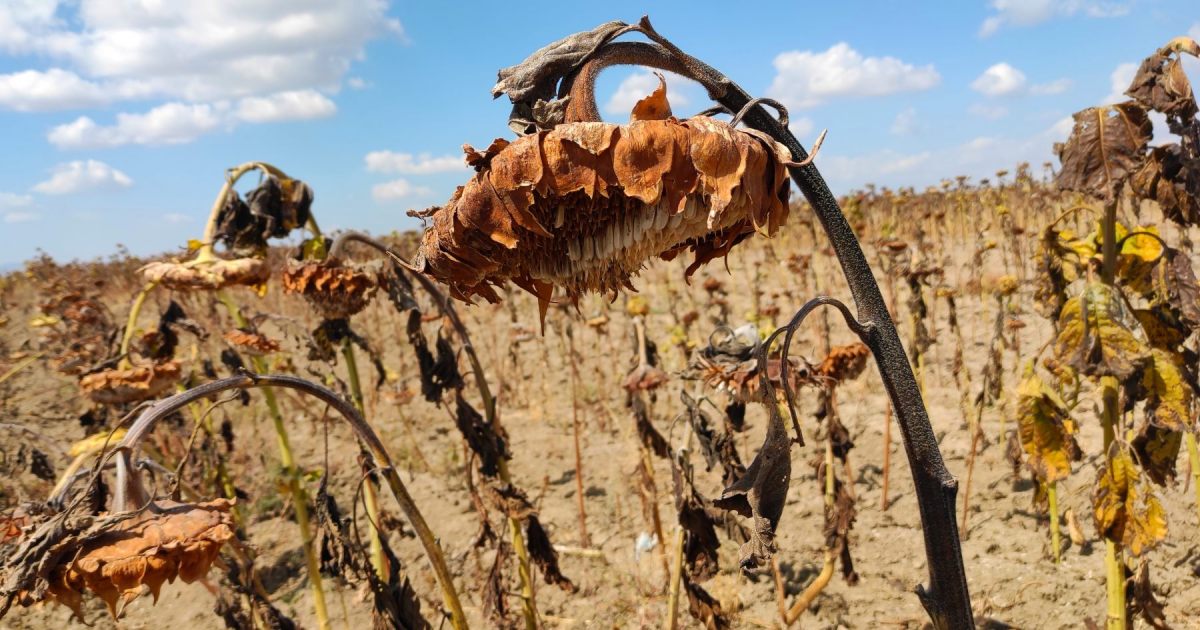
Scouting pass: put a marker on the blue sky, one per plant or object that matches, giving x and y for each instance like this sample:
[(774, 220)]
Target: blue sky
[(118, 117)]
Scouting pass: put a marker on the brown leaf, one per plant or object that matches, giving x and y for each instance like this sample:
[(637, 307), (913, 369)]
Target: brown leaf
[(705, 608), (760, 494), (655, 106), (1172, 179), (717, 446), (700, 542), (1157, 450), (1105, 147), (1097, 334), (1141, 599), (1161, 84)]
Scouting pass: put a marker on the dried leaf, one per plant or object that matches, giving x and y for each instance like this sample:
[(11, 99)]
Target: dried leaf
[(655, 106), (1172, 179), (705, 608), (1124, 506), (844, 363), (1161, 84), (1141, 599), (718, 447), (488, 443), (760, 494), (272, 210), (251, 342), (1097, 334), (1157, 450), (1169, 399), (700, 542), (1105, 147), (1045, 430)]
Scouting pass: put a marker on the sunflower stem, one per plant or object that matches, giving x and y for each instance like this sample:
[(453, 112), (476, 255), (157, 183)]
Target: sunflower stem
[(131, 323), (1055, 542), (370, 492)]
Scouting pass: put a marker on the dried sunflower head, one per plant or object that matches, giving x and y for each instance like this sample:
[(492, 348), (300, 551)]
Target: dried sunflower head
[(122, 385), (167, 540), (213, 275), (584, 205), (844, 362), (251, 342), (334, 290)]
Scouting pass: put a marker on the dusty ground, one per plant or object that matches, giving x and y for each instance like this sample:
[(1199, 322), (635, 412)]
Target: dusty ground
[(1006, 548)]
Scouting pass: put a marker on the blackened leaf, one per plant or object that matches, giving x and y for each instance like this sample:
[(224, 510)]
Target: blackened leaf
[(647, 433), (1161, 84), (495, 591), (761, 492), (717, 446), (1175, 285), (1104, 148), (485, 441), (1157, 450), (700, 543), (1097, 334), (544, 555)]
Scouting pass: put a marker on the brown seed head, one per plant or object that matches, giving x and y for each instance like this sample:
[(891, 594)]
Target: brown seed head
[(334, 290), (217, 274), (122, 385)]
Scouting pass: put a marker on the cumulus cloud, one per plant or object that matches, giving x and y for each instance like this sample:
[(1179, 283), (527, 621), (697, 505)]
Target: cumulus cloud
[(999, 80), (409, 164), (639, 85), (179, 123), (1034, 12), (1119, 81), (806, 79), (35, 90), (396, 190), (80, 176), (987, 111), (284, 106)]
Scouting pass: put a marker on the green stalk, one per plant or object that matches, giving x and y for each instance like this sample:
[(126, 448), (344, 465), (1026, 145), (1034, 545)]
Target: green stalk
[(291, 475), (1113, 564), (1055, 543), (1194, 461), (370, 492), (131, 322)]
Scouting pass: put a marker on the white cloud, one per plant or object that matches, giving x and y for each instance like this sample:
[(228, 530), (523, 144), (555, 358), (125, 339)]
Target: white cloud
[(176, 218), (409, 164), (1034, 12), (987, 111), (999, 80), (199, 51), (905, 123), (13, 200), (34, 90), (397, 189), (806, 79), (1119, 81), (172, 123), (637, 86), (20, 217), (357, 83), (81, 175), (295, 105), (802, 127)]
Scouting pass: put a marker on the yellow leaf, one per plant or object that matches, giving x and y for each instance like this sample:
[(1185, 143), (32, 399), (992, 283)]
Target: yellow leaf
[(44, 321), (1045, 430), (1124, 505), (1138, 257), (1160, 333), (93, 443), (1097, 334), (193, 245), (1169, 400)]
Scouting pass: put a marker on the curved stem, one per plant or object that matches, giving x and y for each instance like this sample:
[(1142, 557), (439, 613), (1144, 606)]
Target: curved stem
[(130, 485), (131, 322), (205, 252), (948, 600)]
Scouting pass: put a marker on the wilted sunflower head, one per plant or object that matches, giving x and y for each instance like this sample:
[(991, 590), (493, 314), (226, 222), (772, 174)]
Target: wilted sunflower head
[(122, 385), (583, 205), (334, 290), (209, 275)]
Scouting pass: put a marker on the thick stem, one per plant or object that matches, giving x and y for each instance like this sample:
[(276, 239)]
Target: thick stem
[(1110, 417)]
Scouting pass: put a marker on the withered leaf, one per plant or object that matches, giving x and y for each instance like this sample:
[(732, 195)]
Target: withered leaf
[(1161, 84), (1097, 334), (1045, 430), (1172, 179), (760, 493), (705, 608), (122, 385), (1157, 450), (544, 556), (717, 446), (647, 433), (700, 543), (1124, 506), (1141, 600), (839, 519), (1175, 286), (1170, 396), (484, 439), (1105, 147)]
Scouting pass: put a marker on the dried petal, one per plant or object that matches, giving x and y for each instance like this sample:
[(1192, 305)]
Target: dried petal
[(335, 291), (122, 385)]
